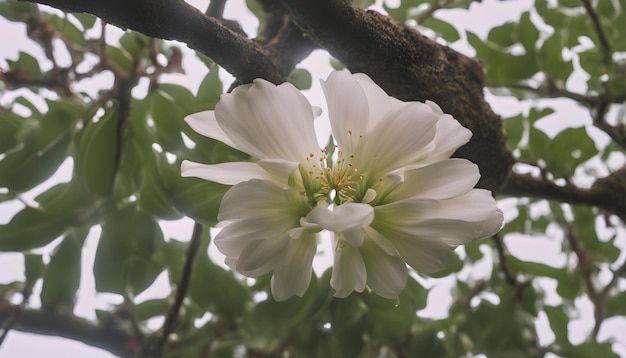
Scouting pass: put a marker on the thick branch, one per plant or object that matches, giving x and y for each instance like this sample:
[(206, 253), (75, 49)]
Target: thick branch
[(607, 194), (411, 67), (177, 20), (282, 38), (110, 337)]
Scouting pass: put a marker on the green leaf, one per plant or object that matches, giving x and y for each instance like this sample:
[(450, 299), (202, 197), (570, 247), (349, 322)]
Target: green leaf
[(300, 78), (87, 20), (62, 276), (210, 90), (33, 269), (11, 126), (125, 255), (95, 162), (168, 120), (151, 308), (26, 64), (17, 11), (570, 148), (503, 35), (502, 67), (135, 44), (403, 11), (389, 320), (514, 129), (442, 28), (269, 322), (45, 147), (60, 207), (255, 7), (550, 60), (66, 28)]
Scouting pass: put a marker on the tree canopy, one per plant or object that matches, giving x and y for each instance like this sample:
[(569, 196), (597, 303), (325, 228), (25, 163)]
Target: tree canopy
[(560, 180)]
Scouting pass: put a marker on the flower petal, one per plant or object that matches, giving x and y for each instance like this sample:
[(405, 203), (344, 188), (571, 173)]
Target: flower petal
[(473, 215), (425, 256), (226, 173), (349, 273), (269, 121), (347, 109), (348, 220), (261, 198), (402, 139), (294, 275), (262, 256), (378, 101), (386, 274), (206, 124), (450, 136), (441, 180), (235, 237)]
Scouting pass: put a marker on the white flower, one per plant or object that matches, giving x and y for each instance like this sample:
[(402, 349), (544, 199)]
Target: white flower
[(392, 196)]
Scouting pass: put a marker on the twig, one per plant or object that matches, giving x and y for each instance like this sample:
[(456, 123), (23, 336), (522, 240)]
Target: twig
[(509, 276), (111, 337), (604, 194), (216, 9), (617, 132), (585, 265), (170, 320), (604, 43)]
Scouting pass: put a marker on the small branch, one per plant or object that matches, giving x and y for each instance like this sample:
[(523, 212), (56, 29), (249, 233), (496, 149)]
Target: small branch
[(216, 9), (509, 276), (177, 20), (550, 90), (110, 337), (617, 132), (183, 286), (585, 265), (607, 193), (604, 43)]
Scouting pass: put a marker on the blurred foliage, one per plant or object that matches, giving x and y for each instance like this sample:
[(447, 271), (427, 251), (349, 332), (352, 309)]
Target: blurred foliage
[(126, 141)]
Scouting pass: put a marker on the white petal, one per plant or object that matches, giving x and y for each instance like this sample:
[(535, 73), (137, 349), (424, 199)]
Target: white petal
[(347, 109), (268, 121), (226, 173), (279, 169), (348, 220), (451, 135), (441, 180), (455, 221), (425, 256), (379, 102), (206, 124), (386, 274), (235, 237), (294, 275), (349, 273), (262, 256), (260, 198), (402, 139)]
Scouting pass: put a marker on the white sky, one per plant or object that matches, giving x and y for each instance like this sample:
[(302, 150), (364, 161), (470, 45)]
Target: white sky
[(547, 249)]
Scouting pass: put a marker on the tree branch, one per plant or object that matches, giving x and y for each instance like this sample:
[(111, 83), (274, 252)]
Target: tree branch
[(181, 292), (607, 193), (282, 38), (410, 66), (110, 337), (604, 43), (177, 20)]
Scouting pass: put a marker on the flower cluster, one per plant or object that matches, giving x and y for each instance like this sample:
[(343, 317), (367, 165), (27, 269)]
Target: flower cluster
[(391, 197)]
